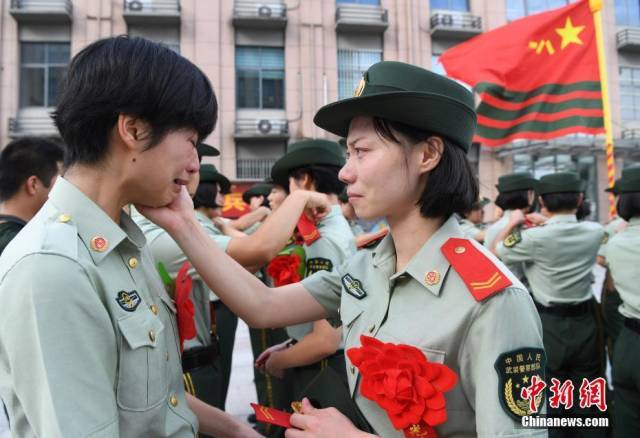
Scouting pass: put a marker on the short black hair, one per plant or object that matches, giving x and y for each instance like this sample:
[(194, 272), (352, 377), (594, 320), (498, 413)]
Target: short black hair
[(206, 195), (514, 200), (133, 76), (584, 210), (452, 186), (325, 177), (628, 205), (555, 202), (25, 157)]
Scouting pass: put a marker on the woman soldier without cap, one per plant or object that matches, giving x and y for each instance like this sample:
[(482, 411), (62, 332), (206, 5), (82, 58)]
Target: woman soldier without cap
[(423, 285)]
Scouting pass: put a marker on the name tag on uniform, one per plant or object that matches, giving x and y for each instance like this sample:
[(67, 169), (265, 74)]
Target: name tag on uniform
[(353, 287)]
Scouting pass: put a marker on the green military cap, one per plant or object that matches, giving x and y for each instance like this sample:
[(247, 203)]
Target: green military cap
[(407, 94), (516, 181), (561, 182), (306, 152), (209, 173), (256, 190), (480, 203), (205, 150), (634, 169), (629, 181), (342, 142)]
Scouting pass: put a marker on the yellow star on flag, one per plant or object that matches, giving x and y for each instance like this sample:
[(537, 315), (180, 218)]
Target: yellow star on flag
[(569, 33)]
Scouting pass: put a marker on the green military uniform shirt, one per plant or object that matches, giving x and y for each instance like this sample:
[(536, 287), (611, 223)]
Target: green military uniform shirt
[(622, 254), (88, 335), (442, 319), (335, 245), (559, 258), (610, 230), (490, 236), (167, 251)]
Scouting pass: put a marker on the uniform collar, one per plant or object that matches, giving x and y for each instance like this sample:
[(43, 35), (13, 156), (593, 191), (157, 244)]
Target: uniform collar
[(92, 222), (634, 221), (335, 211), (562, 218), (428, 260)]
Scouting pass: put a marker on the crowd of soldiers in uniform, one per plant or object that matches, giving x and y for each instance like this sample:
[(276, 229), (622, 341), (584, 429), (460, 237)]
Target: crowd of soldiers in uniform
[(537, 243)]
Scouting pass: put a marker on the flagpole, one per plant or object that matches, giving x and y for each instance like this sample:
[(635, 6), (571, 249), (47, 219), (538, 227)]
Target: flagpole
[(596, 9)]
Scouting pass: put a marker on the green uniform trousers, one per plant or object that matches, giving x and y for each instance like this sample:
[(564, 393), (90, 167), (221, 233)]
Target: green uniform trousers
[(271, 392), (573, 343), (225, 327), (626, 380)]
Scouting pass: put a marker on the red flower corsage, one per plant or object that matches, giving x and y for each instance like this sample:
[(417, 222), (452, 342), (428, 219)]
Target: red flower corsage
[(401, 380), (284, 269)]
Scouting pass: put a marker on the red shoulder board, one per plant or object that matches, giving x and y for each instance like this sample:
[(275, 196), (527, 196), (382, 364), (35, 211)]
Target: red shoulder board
[(373, 239), (479, 273), (308, 230)]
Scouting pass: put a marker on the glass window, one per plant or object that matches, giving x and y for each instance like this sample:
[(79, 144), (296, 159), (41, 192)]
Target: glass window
[(627, 12), (360, 2), (450, 5), (351, 65), (260, 77), (521, 8), (42, 66), (630, 93), (584, 165)]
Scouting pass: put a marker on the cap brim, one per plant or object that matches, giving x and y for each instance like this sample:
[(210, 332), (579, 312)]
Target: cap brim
[(427, 111), (205, 150), (298, 158)]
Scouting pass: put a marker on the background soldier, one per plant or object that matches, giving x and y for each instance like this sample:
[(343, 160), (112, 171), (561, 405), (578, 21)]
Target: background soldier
[(558, 261)]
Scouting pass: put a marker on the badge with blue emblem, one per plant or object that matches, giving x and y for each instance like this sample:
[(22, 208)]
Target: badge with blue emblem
[(353, 287), (129, 301)]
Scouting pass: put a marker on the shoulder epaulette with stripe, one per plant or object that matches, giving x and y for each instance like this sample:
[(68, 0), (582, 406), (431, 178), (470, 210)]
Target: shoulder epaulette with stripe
[(374, 239), (479, 272)]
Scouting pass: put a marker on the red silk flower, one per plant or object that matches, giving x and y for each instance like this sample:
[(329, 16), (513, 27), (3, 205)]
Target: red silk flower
[(184, 305), (401, 380), (284, 269)]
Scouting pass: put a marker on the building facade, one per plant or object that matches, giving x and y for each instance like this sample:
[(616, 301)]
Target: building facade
[(273, 63)]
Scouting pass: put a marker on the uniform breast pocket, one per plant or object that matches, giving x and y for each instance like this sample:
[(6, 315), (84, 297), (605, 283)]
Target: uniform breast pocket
[(142, 380)]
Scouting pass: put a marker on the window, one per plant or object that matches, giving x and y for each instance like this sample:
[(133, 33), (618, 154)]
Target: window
[(360, 2), (260, 77), (627, 12), (584, 165), (450, 5), (351, 65), (42, 66), (521, 8), (630, 94)]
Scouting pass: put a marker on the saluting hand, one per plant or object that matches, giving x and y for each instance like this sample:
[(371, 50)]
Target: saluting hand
[(320, 423), (318, 205)]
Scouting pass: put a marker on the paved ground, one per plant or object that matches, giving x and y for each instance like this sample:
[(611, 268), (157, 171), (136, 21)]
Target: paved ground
[(242, 391)]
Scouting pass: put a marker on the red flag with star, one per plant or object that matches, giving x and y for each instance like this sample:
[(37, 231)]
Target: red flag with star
[(537, 77)]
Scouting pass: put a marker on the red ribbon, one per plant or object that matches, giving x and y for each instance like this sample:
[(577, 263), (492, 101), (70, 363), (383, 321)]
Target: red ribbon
[(184, 305)]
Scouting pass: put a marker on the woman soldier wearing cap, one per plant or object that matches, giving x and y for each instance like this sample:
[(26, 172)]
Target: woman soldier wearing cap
[(443, 297)]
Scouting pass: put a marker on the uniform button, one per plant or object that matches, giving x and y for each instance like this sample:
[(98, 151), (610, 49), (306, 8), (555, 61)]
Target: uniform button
[(459, 250), (152, 335), (133, 262), (353, 369), (372, 328), (64, 218), (154, 309), (173, 400)]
